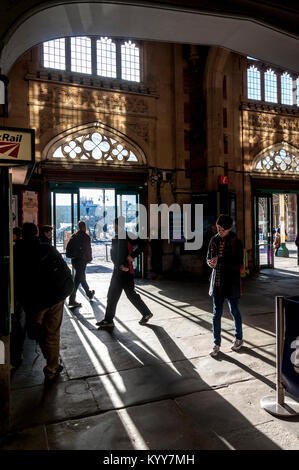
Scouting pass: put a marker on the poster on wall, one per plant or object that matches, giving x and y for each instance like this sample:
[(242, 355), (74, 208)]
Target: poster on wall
[(14, 210), (30, 207)]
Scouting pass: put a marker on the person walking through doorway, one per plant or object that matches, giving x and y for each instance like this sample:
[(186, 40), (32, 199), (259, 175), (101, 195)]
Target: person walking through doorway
[(79, 250), (124, 250), (225, 257)]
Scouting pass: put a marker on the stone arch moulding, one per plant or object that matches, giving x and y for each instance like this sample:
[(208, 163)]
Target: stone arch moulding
[(94, 144), (281, 159)]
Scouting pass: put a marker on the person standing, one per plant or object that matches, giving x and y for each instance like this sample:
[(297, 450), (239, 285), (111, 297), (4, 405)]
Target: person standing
[(225, 257), (46, 234), (124, 250), (43, 280), (79, 250)]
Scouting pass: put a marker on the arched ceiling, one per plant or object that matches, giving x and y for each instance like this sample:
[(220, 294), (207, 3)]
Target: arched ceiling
[(266, 30)]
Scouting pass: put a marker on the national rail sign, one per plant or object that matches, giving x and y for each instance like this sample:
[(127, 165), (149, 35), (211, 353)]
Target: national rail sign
[(16, 146)]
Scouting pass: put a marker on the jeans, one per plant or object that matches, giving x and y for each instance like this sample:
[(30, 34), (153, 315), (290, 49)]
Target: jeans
[(123, 281), (217, 314), (80, 278)]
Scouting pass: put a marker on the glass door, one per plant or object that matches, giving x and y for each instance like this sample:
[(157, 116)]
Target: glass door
[(64, 216), (126, 204), (263, 231)]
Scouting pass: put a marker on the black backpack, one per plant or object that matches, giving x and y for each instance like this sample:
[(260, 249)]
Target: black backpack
[(74, 248), (56, 273), (297, 241)]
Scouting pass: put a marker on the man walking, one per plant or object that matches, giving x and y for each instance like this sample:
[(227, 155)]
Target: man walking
[(43, 280), (123, 251), (225, 256), (79, 250)]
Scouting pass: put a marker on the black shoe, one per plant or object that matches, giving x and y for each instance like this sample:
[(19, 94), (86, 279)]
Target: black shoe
[(145, 318), (50, 376), (105, 324), (74, 304), (91, 294)]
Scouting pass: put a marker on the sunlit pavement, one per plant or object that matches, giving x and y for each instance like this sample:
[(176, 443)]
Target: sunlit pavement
[(155, 386)]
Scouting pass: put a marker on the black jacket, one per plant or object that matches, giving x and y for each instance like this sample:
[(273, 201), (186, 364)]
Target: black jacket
[(230, 265), (122, 248), (40, 274), (79, 247)]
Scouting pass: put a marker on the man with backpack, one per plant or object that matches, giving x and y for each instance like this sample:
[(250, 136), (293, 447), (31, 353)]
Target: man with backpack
[(225, 257), (43, 281), (79, 250)]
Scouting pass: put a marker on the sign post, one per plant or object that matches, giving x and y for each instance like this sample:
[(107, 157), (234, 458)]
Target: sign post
[(279, 404)]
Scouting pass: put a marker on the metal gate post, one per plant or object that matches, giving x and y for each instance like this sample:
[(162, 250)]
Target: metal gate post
[(279, 404)]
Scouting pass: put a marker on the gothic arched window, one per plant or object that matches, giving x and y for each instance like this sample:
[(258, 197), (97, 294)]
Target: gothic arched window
[(106, 57), (253, 83), (95, 144), (130, 62), (280, 158), (270, 86), (286, 89)]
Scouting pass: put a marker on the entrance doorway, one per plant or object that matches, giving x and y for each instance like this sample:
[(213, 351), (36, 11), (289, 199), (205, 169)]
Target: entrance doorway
[(97, 207), (276, 212)]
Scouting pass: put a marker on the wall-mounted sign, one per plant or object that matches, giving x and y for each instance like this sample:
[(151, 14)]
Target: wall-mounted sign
[(16, 146), (30, 207), (223, 180)]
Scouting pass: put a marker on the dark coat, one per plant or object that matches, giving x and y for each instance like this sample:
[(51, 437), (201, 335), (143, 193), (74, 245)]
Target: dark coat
[(230, 265), (35, 284), (82, 244), (122, 248)]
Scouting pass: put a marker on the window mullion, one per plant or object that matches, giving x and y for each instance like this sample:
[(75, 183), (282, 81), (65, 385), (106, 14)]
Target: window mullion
[(262, 72), (68, 54), (278, 83), (118, 59), (94, 56)]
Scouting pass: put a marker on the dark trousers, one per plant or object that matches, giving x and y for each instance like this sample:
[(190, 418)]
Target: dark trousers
[(80, 277), (123, 281), (17, 336)]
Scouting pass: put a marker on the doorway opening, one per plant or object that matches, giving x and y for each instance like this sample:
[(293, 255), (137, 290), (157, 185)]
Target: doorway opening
[(276, 229), (97, 206)]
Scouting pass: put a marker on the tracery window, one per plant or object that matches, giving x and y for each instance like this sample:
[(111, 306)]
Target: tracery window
[(280, 158), (54, 54), (271, 86), (96, 145), (97, 56)]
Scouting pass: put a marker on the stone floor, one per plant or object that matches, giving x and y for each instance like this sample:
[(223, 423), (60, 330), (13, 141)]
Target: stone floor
[(155, 386)]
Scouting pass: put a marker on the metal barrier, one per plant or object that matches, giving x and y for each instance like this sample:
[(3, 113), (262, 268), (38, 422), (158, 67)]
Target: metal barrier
[(287, 377)]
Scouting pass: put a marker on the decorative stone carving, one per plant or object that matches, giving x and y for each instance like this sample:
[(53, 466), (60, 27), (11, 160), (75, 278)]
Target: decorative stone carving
[(276, 122), (87, 99)]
